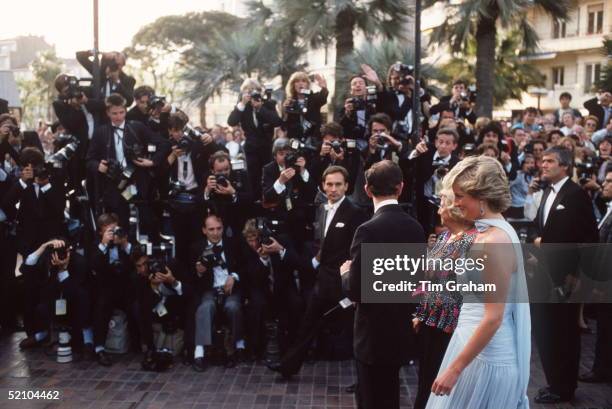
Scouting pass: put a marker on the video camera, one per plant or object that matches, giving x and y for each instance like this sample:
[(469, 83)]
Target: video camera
[(75, 88), (156, 102), (299, 106)]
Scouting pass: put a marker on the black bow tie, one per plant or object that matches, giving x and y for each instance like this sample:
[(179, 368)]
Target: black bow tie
[(118, 128), (217, 249)]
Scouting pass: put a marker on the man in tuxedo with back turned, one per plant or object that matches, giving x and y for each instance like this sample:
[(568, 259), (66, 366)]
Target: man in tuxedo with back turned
[(565, 216), (382, 331)]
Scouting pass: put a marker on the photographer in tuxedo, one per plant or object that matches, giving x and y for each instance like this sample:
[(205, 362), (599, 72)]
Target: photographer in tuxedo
[(382, 331), (302, 106), (362, 103), (112, 280), (430, 163), (36, 202), (187, 163), (216, 283), (256, 114), (565, 216), (336, 151), (113, 79), (271, 290), (151, 110), (227, 193), (381, 144), (121, 158), (13, 141), (288, 190), (55, 285), (160, 299), (338, 223), (460, 102)]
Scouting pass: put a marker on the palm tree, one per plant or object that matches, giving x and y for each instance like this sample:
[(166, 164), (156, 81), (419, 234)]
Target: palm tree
[(512, 73), (605, 81), (381, 55), (322, 22), (479, 19)]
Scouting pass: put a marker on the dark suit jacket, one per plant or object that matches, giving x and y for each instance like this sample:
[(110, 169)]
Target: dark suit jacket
[(444, 105), (316, 101), (259, 136), (30, 140), (382, 331), (595, 108), (304, 190), (256, 274), (335, 247), (74, 120), (423, 168), (571, 220), (125, 86), (102, 147)]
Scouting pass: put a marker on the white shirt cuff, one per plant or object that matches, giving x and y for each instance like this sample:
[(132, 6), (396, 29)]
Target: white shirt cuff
[(178, 288), (508, 167), (32, 259), (279, 187), (102, 247), (23, 184), (235, 276), (240, 106), (315, 263), (305, 176), (413, 154), (45, 188), (62, 275), (282, 253)]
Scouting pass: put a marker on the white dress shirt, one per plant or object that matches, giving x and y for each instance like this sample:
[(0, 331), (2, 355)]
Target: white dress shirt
[(220, 273), (118, 138), (90, 121), (280, 188), (185, 171), (608, 213), (551, 197), (331, 209), (384, 203)]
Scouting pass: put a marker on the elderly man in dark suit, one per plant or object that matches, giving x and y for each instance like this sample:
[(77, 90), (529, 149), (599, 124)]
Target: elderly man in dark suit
[(338, 223), (565, 216), (382, 331)]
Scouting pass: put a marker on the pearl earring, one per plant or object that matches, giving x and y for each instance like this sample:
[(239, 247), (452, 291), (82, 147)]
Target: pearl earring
[(482, 210)]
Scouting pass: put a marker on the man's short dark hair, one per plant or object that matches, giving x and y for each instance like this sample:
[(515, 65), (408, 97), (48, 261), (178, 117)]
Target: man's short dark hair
[(565, 95), (8, 117), (219, 156), (31, 156), (335, 169), (333, 129), (106, 219), (448, 131), (177, 120), (564, 156), (530, 110), (143, 90), (137, 253), (383, 178), (460, 81), (380, 119), (540, 142), (115, 100)]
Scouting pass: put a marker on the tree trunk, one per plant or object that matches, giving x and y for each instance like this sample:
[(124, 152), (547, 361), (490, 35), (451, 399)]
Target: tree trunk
[(345, 23), (203, 112), (485, 65)]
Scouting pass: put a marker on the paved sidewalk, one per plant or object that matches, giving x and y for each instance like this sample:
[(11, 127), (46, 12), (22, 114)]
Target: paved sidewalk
[(249, 386)]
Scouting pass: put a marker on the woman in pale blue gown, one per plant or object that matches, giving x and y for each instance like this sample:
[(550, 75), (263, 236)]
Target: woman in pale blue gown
[(486, 365)]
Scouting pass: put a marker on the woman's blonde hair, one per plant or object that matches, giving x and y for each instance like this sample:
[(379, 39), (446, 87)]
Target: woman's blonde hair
[(446, 201), (483, 178), (289, 89), (251, 83)]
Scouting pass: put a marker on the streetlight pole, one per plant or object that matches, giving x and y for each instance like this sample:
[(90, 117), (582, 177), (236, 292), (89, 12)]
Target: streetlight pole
[(416, 100), (96, 60)]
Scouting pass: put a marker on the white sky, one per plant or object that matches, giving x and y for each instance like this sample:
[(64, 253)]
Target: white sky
[(68, 24)]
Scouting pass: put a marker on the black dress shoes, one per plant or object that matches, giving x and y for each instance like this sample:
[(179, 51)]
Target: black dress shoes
[(593, 377), (351, 388), (546, 396), (103, 359), (199, 365)]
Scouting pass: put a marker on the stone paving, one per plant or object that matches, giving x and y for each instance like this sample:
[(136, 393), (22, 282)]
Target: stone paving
[(248, 386)]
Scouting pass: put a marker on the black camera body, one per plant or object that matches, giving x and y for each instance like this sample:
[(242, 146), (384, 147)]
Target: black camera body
[(156, 265), (66, 146), (14, 130), (185, 143), (74, 90), (586, 170), (440, 169), (299, 106), (222, 180), (470, 94), (211, 258), (134, 151), (155, 102), (404, 70)]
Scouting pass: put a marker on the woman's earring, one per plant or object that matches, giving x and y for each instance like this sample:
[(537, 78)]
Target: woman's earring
[(482, 210)]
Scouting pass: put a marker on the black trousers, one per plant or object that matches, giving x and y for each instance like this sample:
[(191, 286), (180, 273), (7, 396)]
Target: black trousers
[(602, 364), (557, 335), (432, 346), (186, 226), (256, 159), (377, 386), (293, 360), (146, 318), (285, 305), (106, 301)]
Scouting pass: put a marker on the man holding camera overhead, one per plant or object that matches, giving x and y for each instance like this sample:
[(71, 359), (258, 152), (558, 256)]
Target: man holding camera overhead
[(256, 114), (113, 79), (122, 155)]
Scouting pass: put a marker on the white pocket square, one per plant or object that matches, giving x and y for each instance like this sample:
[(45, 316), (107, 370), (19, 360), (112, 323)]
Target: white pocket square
[(339, 224), (560, 207)]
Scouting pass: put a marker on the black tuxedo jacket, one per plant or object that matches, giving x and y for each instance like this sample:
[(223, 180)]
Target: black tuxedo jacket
[(570, 221), (305, 190), (259, 136), (199, 161), (316, 101), (444, 105), (595, 108), (382, 331), (335, 246), (199, 285), (74, 120), (30, 140), (102, 147), (256, 274), (423, 169)]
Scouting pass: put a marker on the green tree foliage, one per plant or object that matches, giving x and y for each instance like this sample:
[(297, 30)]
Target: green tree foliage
[(605, 81)]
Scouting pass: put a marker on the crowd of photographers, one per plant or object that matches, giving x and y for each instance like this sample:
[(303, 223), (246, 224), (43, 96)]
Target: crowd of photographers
[(134, 209)]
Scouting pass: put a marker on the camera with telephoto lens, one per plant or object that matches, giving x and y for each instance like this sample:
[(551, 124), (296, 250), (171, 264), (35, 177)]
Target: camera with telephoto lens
[(66, 146), (156, 102), (586, 170), (211, 257), (118, 174), (299, 106), (74, 88)]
